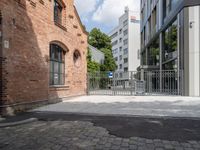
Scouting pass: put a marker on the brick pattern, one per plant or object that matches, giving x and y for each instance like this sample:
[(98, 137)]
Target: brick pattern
[(2, 61), (1, 85), (29, 28), (79, 135)]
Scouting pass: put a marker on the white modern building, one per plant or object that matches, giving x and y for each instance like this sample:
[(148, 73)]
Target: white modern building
[(126, 42)]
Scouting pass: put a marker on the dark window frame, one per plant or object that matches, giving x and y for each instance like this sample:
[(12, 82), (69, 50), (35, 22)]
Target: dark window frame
[(57, 65), (58, 12)]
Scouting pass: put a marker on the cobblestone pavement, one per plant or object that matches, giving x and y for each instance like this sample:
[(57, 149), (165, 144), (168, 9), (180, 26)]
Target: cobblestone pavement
[(79, 135)]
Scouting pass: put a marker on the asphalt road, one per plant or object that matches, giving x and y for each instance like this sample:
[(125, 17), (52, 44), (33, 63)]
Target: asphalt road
[(164, 128)]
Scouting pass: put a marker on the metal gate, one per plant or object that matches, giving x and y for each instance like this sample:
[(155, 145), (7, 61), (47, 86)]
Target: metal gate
[(135, 83)]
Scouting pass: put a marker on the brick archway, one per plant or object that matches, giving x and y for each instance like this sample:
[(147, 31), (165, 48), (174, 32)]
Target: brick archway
[(64, 47)]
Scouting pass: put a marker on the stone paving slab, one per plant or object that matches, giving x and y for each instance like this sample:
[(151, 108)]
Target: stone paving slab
[(172, 106), (79, 135)]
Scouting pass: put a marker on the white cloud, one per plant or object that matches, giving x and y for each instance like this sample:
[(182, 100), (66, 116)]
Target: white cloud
[(110, 10), (85, 7)]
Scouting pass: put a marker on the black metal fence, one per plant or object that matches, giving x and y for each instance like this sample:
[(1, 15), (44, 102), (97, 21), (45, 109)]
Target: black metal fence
[(168, 82)]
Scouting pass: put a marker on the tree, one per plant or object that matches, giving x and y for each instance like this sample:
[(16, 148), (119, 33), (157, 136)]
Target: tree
[(102, 42), (99, 39), (109, 63)]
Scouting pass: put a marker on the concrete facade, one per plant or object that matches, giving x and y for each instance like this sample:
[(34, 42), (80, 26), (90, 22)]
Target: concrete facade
[(170, 38), (28, 29), (97, 55), (126, 42), (193, 50)]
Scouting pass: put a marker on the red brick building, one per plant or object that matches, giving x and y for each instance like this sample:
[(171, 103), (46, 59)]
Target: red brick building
[(43, 48)]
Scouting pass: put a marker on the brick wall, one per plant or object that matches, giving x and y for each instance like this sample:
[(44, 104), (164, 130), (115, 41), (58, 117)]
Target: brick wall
[(1, 64), (28, 29)]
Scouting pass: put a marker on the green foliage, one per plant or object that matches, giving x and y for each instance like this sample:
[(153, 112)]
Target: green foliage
[(102, 42), (99, 39), (109, 63), (93, 66), (154, 53), (89, 55), (171, 39), (174, 37)]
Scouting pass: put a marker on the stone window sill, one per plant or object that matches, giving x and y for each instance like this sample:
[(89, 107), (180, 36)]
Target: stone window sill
[(60, 26), (59, 86)]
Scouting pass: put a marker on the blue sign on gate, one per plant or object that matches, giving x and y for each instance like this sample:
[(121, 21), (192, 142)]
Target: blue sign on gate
[(110, 74)]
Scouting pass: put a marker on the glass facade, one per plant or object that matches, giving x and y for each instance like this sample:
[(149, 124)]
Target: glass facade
[(170, 47), (172, 65), (144, 58), (169, 42), (168, 6), (125, 51), (150, 55), (153, 54)]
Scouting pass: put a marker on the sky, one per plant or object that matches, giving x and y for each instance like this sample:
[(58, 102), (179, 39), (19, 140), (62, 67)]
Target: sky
[(103, 14)]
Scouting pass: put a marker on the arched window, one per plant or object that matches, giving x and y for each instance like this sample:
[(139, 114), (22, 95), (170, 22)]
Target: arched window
[(57, 65)]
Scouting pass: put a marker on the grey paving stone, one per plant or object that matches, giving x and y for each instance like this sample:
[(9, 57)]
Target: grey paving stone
[(168, 147), (159, 148), (196, 146), (175, 143), (186, 145), (133, 147), (178, 148), (69, 135), (188, 149), (149, 141), (115, 147), (143, 148), (124, 144)]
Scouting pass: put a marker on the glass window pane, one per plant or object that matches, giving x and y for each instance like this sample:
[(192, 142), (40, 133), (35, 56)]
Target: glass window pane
[(56, 79), (61, 79), (57, 12), (62, 69), (56, 54), (170, 43), (56, 67), (51, 66), (153, 54), (51, 79)]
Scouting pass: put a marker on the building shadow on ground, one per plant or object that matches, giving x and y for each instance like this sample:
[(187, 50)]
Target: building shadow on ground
[(163, 128)]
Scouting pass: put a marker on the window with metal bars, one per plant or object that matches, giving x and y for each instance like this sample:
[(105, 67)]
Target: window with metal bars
[(57, 65)]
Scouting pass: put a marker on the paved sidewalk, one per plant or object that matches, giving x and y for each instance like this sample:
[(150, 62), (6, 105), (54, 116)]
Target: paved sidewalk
[(126, 105), (108, 123), (79, 135)]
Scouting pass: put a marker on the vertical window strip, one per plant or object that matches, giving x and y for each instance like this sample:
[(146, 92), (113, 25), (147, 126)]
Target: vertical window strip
[(56, 65)]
